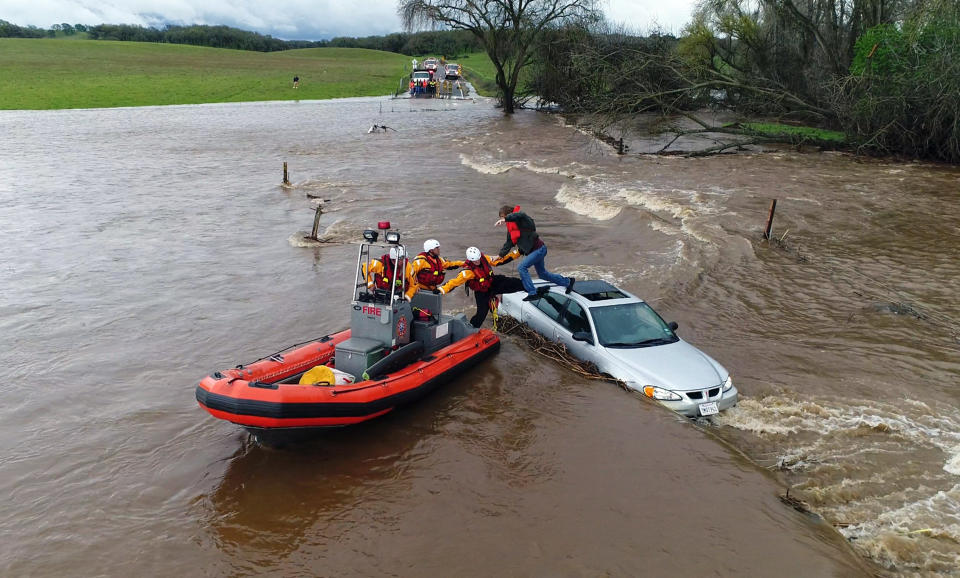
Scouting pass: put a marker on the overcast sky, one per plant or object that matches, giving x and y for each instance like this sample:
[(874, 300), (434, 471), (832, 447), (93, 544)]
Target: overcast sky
[(291, 19)]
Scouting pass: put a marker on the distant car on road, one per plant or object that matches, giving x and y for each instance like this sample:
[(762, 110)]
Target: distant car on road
[(420, 80), (626, 339), (453, 71), (430, 64)]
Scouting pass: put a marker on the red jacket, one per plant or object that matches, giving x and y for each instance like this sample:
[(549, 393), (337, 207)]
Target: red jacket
[(512, 227)]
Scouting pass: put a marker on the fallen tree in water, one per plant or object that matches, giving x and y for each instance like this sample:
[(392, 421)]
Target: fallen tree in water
[(551, 349), (744, 134), (886, 73)]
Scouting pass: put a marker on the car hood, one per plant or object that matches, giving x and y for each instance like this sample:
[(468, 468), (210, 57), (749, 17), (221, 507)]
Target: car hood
[(678, 366)]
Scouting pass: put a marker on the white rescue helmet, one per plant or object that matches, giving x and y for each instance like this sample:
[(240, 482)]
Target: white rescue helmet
[(396, 252), (430, 245), (473, 254)]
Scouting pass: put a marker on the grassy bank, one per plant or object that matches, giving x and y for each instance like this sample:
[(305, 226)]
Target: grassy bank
[(66, 73), (797, 134), (481, 73)]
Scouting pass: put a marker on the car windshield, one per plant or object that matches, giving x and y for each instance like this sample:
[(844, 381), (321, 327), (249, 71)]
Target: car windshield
[(630, 325)]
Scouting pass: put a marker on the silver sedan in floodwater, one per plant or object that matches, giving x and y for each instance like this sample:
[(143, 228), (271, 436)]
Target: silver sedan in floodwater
[(625, 338)]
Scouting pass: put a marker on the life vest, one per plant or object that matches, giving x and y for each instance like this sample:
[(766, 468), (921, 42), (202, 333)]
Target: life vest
[(513, 229), (383, 281), (482, 274), (433, 275)]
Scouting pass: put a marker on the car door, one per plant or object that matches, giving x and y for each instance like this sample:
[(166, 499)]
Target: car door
[(574, 319), (557, 317), (542, 314)]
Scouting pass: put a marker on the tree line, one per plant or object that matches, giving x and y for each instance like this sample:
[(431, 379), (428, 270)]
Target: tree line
[(885, 72), (440, 42)]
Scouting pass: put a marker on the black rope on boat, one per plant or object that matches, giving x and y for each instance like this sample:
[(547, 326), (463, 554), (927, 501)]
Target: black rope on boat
[(263, 385)]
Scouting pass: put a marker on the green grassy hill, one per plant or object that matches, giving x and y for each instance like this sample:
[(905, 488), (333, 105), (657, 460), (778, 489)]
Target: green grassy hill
[(54, 73), (480, 71)]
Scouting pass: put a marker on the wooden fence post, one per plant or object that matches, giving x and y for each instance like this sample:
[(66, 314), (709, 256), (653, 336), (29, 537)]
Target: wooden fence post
[(316, 223), (773, 207)]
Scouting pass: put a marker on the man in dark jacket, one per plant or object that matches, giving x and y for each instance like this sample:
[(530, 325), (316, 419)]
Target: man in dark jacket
[(522, 233)]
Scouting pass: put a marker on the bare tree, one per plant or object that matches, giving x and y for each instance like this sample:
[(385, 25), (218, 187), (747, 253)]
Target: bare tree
[(797, 46), (508, 29)]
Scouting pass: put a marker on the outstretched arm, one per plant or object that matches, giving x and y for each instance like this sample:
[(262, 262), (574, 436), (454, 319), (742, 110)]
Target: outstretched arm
[(506, 247), (510, 256), (457, 281)]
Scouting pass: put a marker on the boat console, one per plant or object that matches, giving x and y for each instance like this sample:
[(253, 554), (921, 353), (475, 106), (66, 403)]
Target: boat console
[(383, 323)]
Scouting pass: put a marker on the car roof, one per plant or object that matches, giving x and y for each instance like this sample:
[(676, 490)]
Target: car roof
[(594, 293), (599, 290)]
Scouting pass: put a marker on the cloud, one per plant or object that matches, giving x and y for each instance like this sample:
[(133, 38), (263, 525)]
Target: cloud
[(287, 19), (645, 16)]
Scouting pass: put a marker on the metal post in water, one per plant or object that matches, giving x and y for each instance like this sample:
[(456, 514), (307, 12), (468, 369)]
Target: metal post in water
[(286, 181), (773, 207)]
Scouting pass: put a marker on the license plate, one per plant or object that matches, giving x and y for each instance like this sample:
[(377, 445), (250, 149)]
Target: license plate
[(709, 408)]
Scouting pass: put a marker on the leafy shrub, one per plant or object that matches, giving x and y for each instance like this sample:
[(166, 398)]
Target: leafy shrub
[(903, 93)]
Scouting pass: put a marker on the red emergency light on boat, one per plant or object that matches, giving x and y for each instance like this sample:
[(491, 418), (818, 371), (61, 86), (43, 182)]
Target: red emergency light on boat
[(383, 225)]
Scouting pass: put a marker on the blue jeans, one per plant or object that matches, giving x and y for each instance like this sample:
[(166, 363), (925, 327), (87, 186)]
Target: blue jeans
[(535, 259)]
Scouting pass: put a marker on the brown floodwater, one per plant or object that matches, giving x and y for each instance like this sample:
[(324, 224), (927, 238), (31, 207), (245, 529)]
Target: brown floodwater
[(145, 248)]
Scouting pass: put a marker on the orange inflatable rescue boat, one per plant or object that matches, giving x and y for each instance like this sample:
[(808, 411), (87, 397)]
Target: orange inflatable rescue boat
[(395, 352)]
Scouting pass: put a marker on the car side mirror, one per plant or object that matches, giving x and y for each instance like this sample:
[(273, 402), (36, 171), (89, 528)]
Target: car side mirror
[(583, 336), (673, 326)]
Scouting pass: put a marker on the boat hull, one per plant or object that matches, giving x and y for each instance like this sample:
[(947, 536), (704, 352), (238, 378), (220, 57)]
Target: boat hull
[(253, 397)]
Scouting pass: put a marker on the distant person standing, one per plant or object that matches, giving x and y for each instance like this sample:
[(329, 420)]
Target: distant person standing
[(296, 81), (414, 63)]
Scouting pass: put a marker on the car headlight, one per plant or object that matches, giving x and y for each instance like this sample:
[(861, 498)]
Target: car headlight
[(728, 384), (660, 394)]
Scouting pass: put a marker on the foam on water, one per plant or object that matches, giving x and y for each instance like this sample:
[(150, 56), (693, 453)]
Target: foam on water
[(340, 231), (300, 240), (571, 170), (593, 272), (782, 414), (921, 536), (828, 443), (488, 165), (666, 227), (803, 200), (577, 197), (677, 206), (688, 207), (953, 464), (676, 211)]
